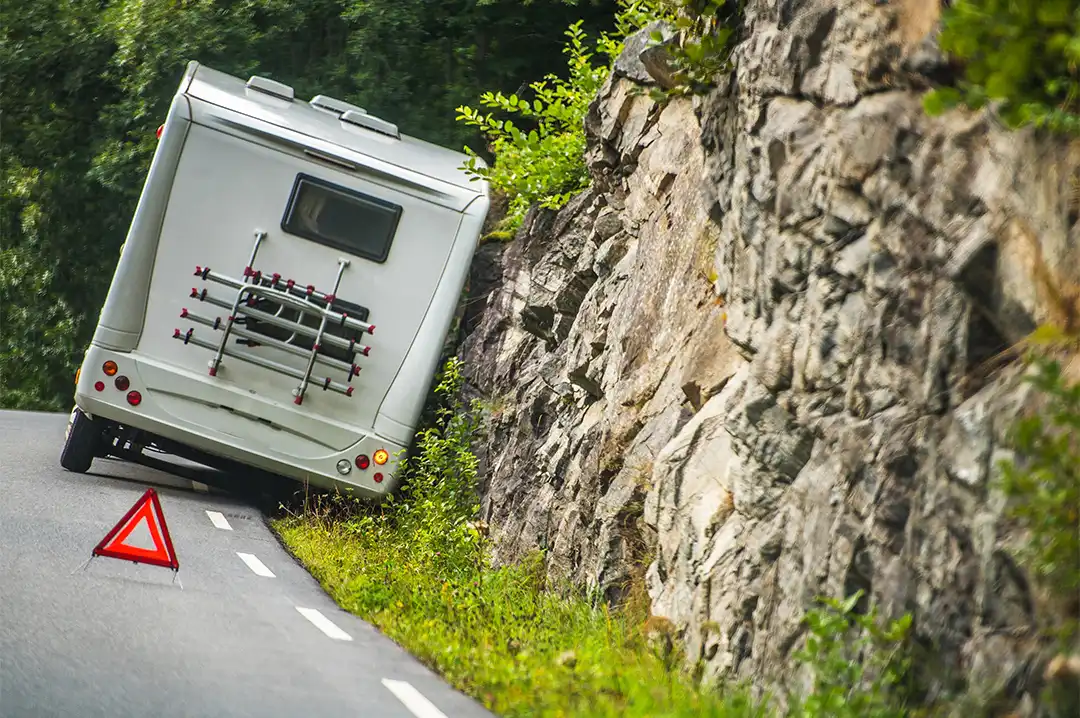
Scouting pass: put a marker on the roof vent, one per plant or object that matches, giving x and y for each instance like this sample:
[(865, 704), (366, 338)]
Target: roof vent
[(271, 87), (362, 119), (332, 105)]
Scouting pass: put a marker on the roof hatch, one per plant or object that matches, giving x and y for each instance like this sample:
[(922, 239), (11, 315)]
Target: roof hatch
[(331, 104), (362, 119), (271, 87)]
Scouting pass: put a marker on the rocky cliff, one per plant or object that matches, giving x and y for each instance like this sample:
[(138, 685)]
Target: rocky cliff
[(762, 355)]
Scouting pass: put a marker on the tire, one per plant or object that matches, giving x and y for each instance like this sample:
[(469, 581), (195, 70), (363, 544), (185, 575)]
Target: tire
[(81, 446)]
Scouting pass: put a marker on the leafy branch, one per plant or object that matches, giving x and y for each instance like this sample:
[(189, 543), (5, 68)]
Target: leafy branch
[(1022, 55), (545, 163)]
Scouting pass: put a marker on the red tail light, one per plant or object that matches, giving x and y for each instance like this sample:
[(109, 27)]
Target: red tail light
[(122, 383), (378, 478), (99, 386), (159, 131), (362, 462), (134, 398)]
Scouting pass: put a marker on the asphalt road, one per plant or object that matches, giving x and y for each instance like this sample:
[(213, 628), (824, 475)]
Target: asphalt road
[(119, 639)]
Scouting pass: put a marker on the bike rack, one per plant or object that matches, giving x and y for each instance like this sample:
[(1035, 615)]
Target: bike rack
[(287, 294)]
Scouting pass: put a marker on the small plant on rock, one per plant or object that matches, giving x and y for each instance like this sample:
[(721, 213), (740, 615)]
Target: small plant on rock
[(854, 676), (702, 49)]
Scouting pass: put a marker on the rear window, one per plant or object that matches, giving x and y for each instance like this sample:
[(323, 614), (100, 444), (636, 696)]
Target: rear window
[(341, 218)]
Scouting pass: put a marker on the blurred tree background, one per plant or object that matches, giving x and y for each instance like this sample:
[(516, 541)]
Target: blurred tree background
[(85, 83)]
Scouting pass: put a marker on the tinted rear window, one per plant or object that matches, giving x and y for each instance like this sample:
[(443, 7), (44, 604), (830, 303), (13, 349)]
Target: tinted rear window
[(341, 218)]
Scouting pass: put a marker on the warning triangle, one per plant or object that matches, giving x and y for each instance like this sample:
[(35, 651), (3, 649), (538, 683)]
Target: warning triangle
[(146, 511)]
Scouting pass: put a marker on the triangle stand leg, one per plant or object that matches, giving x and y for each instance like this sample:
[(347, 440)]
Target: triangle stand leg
[(83, 565)]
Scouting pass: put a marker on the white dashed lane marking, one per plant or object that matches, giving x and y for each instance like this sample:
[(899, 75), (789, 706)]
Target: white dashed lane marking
[(413, 700), (218, 519), (409, 696), (324, 624), (257, 566)]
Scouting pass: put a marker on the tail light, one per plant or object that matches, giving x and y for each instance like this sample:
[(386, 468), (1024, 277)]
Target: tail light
[(78, 373), (362, 462), (159, 131), (99, 386), (378, 478), (134, 398), (381, 457), (109, 368), (122, 383)]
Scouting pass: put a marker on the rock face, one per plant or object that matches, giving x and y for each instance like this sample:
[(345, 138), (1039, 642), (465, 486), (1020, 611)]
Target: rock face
[(760, 356)]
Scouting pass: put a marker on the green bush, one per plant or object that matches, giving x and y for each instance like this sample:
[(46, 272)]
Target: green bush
[(37, 335), (1022, 54), (544, 164), (1044, 485), (538, 144), (854, 676), (706, 31)]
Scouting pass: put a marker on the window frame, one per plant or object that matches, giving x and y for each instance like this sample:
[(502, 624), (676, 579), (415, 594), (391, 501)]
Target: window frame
[(287, 218)]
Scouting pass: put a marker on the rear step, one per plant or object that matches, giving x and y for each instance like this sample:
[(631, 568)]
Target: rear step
[(286, 294)]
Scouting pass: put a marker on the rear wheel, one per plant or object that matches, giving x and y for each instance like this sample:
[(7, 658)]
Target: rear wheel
[(82, 444)]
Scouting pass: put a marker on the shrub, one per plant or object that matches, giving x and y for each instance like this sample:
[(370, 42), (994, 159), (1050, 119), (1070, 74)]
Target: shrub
[(538, 144), (544, 164), (860, 676), (1044, 485), (1022, 54), (702, 50)]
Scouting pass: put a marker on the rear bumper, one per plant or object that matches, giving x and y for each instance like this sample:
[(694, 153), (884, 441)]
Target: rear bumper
[(152, 415)]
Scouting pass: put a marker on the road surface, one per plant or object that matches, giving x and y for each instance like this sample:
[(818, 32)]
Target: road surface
[(245, 632)]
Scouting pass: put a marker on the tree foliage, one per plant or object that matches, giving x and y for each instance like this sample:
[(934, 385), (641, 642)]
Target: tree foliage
[(85, 83), (541, 162), (538, 139), (1021, 54)]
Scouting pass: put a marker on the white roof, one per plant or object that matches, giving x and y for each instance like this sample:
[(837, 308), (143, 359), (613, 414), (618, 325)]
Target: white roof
[(274, 103)]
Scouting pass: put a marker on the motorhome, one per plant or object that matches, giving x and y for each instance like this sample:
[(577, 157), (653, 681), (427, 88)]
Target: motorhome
[(284, 291)]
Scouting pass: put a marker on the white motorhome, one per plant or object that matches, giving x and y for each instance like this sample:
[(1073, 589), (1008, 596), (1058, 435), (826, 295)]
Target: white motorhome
[(285, 290)]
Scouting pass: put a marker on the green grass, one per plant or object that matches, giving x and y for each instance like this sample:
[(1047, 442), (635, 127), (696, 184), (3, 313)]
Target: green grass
[(497, 634)]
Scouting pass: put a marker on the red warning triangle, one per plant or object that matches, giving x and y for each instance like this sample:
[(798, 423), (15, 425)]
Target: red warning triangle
[(147, 509)]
